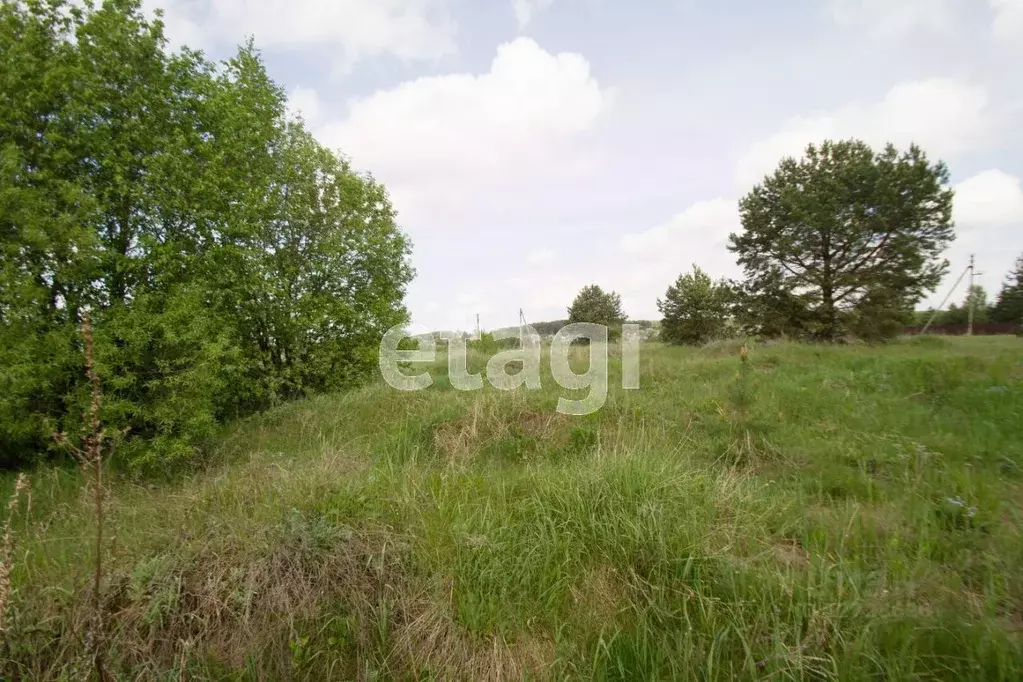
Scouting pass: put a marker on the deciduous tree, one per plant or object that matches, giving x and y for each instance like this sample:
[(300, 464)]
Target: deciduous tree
[(959, 315), (228, 260)]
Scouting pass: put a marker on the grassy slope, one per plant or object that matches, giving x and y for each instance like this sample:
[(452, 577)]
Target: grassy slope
[(478, 535)]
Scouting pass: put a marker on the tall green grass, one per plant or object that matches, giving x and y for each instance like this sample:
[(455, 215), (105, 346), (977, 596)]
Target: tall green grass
[(841, 512)]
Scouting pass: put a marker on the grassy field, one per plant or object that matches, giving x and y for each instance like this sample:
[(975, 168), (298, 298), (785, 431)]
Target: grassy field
[(829, 512)]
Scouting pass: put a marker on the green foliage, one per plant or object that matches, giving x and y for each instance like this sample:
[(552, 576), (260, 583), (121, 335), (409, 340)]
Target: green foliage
[(960, 315), (842, 236), (879, 316), (977, 298), (695, 308), (548, 328), (742, 390), (489, 345), (766, 308), (833, 512), (1008, 307), (596, 306), (229, 261)]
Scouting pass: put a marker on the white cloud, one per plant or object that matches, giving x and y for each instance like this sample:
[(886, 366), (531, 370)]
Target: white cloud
[(887, 19), (443, 139), (1008, 20), (988, 211), (989, 199), (541, 257), (656, 257), (305, 102), (349, 29), (525, 9), (943, 116), (710, 220), (478, 166)]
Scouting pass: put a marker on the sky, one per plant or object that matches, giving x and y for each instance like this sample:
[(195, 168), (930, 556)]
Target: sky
[(532, 147)]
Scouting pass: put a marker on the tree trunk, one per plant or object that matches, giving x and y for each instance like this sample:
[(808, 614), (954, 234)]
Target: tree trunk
[(829, 328)]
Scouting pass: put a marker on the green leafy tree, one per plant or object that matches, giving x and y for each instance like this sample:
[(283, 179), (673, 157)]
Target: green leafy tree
[(844, 234), (596, 306), (953, 316), (228, 261), (1008, 307), (960, 315), (695, 308), (920, 317)]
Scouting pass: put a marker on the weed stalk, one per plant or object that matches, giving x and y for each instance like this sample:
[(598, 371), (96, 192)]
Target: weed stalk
[(90, 458), (7, 547)]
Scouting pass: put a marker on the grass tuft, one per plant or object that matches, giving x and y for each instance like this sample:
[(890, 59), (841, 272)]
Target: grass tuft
[(812, 512)]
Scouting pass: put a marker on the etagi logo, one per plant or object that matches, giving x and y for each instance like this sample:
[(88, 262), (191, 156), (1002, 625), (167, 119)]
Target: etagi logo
[(527, 355)]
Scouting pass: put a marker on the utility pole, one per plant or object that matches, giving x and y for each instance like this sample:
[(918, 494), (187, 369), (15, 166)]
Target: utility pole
[(969, 301), (478, 335), (970, 298), (947, 296)]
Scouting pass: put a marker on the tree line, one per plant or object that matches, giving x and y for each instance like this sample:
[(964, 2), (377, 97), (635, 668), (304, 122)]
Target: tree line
[(843, 242), (1006, 309), (227, 260)]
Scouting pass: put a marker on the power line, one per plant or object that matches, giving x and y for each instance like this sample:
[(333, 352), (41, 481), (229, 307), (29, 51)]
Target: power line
[(951, 291)]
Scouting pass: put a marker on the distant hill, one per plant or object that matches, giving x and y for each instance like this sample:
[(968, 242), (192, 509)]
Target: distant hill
[(552, 327), (549, 328)]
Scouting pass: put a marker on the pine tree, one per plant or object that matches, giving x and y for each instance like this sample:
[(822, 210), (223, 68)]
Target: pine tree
[(846, 236), (1008, 308), (695, 308), (596, 306)]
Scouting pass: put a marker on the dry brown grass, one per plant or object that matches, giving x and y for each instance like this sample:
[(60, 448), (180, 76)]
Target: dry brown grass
[(465, 437), (232, 606), (430, 641), (791, 554), (7, 545), (190, 591), (878, 523), (321, 552), (600, 595)]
